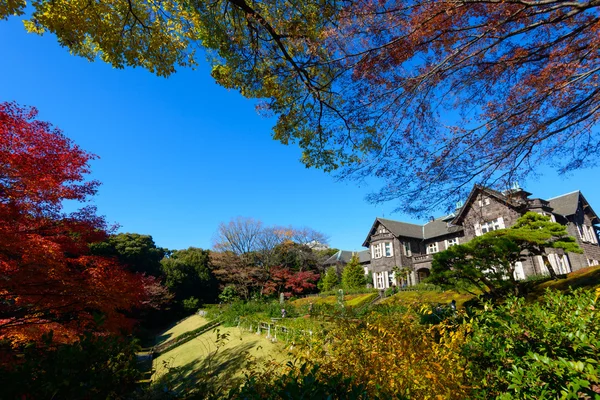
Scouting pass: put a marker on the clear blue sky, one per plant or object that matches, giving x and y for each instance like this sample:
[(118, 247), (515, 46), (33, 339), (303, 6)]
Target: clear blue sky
[(180, 155)]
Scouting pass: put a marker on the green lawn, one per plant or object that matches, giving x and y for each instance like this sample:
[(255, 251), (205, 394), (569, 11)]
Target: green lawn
[(587, 278), (189, 324), (349, 300), (428, 296), (222, 360)]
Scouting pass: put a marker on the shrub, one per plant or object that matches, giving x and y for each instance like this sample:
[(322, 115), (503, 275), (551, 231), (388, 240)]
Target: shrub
[(91, 368), (353, 276), (547, 349), (394, 356), (190, 305), (305, 382)]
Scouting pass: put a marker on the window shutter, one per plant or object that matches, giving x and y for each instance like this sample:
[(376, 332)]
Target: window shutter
[(478, 230), (501, 222)]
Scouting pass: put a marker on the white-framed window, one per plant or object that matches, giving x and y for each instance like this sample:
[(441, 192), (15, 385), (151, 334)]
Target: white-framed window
[(451, 242), (432, 248), (489, 226), (485, 201), (593, 262), (376, 250), (379, 250), (388, 250), (587, 234), (407, 250)]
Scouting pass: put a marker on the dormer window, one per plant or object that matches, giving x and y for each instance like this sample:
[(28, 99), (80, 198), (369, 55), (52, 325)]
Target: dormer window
[(432, 248), (485, 201), (451, 242), (489, 226)]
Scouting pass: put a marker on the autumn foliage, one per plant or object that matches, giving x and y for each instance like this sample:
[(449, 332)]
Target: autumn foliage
[(283, 280), (48, 278)]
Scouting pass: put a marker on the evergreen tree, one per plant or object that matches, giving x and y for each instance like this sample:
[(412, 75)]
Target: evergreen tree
[(353, 276), (329, 281)]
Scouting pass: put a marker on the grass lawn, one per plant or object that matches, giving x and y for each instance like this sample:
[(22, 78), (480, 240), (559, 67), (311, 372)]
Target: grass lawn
[(224, 360), (587, 278), (189, 324), (428, 296), (349, 299)]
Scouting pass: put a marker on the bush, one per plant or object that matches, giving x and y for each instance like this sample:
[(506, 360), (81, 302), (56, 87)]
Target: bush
[(394, 356), (305, 382), (547, 349), (191, 305), (229, 314), (91, 368)]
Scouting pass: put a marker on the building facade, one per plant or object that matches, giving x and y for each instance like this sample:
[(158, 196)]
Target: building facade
[(401, 253)]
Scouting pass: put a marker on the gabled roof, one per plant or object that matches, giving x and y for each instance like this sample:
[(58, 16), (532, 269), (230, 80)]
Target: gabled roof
[(473, 195), (397, 228), (344, 257), (435, 228), (567, 204)]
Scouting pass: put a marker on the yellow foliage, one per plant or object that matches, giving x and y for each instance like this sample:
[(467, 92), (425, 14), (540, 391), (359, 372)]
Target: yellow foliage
[(395, 355)]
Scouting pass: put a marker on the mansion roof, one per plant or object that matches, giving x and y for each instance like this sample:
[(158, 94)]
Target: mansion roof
[(344, 257), (564, 205)]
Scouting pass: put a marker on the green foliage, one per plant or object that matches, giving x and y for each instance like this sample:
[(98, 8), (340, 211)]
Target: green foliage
[(191, 304), (329, 280), (188, 275), (546, 349), (228, 294), (230, 314), (487, 262), (92, 368), (138, 252), (353, 276)]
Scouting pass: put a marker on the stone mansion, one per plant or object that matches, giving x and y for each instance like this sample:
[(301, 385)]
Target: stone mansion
[(411, 246)]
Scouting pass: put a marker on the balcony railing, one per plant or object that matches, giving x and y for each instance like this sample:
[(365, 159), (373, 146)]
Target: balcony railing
[(423, 258)]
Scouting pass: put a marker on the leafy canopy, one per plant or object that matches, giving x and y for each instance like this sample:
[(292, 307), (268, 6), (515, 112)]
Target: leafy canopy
[(50, 280), (429, 96)]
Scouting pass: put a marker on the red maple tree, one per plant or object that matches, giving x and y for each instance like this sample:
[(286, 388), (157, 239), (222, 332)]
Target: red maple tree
[(284, 280), (48, 278)]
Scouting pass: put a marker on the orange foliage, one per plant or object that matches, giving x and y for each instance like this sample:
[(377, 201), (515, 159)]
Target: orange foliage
[(48, 279)]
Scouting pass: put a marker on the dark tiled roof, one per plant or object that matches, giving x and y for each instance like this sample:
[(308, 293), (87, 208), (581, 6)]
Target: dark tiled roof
[(566, 204), (439, 227), (344, 257), (403, 228)]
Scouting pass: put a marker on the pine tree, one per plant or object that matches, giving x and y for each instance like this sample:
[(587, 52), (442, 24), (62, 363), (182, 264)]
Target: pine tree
[(353, 276)]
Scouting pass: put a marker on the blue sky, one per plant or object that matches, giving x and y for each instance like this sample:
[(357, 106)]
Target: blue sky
[(180, 155)]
